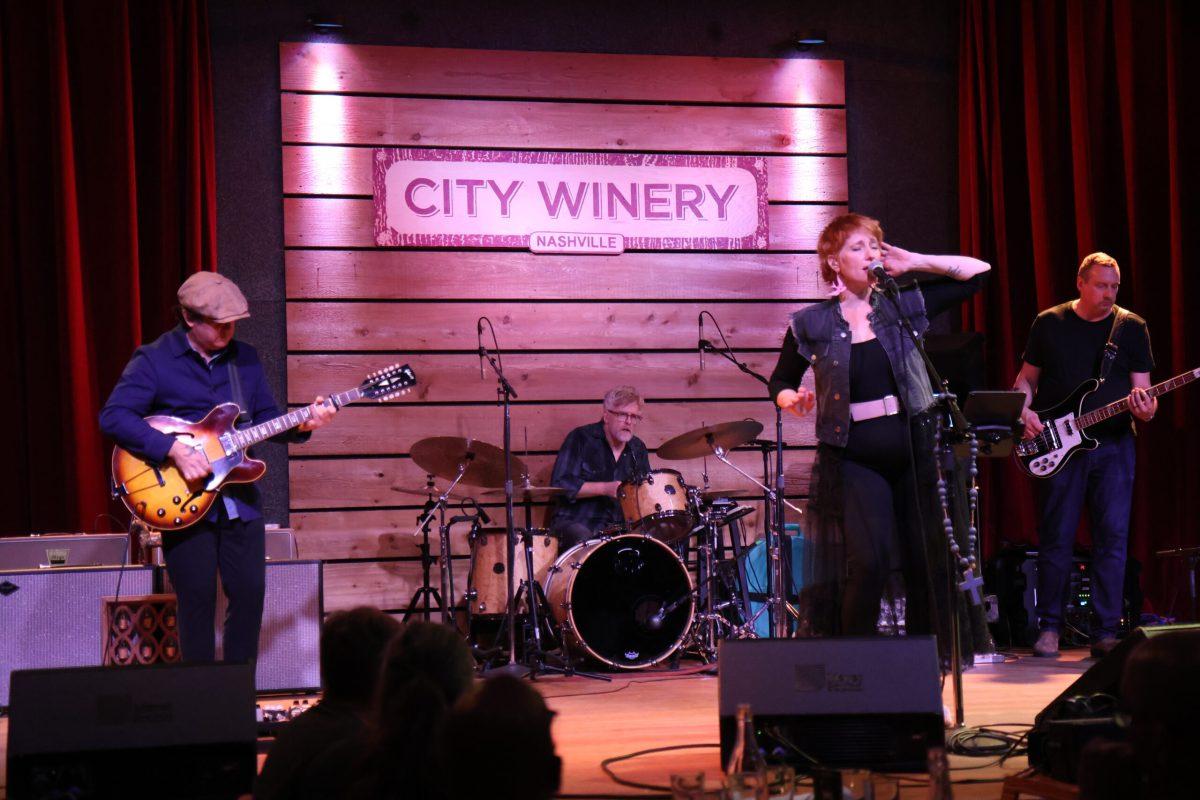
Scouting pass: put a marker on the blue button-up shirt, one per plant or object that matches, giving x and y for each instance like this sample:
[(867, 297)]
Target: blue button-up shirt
[(587, 456), (169, 377)]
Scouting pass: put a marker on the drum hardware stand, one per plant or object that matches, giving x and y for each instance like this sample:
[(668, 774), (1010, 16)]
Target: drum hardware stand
[(777, 606), (425, 591)]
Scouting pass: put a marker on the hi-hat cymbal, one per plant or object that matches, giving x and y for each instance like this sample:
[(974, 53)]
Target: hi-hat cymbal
[(703, 441), (444, 455), (527, 490), (422, 491)]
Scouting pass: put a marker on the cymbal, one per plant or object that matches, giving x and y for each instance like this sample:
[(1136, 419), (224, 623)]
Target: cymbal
[(523, 490), (443, 455), (701, 441), (422, 491)]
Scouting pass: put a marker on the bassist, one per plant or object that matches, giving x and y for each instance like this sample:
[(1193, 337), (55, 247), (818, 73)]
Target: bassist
[(185, 373), (1089, 337)]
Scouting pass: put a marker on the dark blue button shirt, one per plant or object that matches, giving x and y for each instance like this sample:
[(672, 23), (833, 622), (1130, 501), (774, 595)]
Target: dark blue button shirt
[(169, 377), (587, 456)]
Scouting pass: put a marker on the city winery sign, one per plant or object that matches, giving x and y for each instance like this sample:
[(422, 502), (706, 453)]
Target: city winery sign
[(569, 202)]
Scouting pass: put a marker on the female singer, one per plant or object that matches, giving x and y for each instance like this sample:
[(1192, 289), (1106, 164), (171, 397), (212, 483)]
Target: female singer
[(873, 487)]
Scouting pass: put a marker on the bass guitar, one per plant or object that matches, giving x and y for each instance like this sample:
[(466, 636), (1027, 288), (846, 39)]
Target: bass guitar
[(1065, 426), (158, 495)]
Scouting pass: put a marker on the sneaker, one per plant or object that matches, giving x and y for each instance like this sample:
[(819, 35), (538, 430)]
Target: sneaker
[(1046, 645), (1104, 646)]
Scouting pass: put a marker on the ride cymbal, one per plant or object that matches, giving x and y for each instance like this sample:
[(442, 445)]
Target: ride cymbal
[(484, 463), (704, 441)]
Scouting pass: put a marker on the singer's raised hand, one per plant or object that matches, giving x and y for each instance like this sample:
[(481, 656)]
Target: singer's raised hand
[(798, 401), (897, 260)]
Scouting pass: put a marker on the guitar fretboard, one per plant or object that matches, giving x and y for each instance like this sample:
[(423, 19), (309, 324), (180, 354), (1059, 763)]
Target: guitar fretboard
[(247, 437), (1122, 405)]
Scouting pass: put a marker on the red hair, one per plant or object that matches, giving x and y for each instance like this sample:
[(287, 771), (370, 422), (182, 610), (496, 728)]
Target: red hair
[(835, 235)]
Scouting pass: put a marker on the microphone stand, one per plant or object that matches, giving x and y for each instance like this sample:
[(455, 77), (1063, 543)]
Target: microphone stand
[(505, 393), (959, 422), (777, 606)]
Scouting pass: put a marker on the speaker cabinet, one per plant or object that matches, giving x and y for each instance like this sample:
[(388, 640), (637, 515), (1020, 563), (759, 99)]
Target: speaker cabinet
[(184, 730), (54, 617), (289, 643), (873, 703)]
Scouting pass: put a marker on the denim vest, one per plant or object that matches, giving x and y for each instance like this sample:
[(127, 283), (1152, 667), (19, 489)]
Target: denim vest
[(823, 338)]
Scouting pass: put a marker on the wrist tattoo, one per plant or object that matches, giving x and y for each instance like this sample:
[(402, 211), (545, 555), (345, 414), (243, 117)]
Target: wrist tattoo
[(954, 271)]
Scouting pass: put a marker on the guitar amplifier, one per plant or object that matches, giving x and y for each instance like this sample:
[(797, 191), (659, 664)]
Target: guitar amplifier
[(41, 550), (289, 642), (54, 617)]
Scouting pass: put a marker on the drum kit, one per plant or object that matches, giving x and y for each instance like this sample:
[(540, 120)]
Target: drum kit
[(625, 598)]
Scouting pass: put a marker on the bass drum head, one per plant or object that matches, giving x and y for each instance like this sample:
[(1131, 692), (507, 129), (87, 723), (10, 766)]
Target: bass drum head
[(614, 593)]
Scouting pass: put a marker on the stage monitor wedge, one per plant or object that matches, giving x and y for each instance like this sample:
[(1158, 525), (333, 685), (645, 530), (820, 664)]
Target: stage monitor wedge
[(180, 730), (872, 702)]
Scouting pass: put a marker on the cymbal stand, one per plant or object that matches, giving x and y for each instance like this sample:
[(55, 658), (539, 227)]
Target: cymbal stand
[(777, 606), (446, 597)]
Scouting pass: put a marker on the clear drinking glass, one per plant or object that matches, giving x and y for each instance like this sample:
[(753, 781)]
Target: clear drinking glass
[(779, 784), (688, 786)]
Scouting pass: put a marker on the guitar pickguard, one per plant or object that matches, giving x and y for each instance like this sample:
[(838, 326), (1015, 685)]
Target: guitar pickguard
[(1067, 436)]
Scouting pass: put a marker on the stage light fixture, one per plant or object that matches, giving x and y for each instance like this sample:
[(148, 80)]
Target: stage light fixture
[(324, 23), (808, 39)]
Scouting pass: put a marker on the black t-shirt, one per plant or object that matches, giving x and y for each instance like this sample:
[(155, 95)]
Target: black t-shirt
[(1068, 349)]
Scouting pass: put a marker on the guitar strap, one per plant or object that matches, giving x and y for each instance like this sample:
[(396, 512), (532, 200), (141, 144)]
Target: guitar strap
[(1110, 347), (235, 387)]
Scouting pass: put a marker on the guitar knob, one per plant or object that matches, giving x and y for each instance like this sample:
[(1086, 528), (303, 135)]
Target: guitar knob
[(175, 500), (192, 508), (162, 512), (178, 521)]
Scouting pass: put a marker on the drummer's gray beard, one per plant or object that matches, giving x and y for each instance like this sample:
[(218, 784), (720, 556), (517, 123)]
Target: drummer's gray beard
[(623, 436)]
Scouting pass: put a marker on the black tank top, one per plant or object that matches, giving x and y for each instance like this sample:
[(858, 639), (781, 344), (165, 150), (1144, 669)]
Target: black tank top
[(870, 372)]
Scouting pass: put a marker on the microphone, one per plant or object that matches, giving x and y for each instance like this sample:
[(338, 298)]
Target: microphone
[(882, 279), (700, 339), (483, 515)]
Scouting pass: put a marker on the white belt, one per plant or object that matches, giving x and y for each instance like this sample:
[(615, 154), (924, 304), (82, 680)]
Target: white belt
[(883, 407)]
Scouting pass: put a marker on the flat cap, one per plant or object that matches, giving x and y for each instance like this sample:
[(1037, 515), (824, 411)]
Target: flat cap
[(214, 297)]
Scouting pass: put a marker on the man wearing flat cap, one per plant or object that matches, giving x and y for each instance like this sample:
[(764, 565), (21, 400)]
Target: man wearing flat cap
[(185, 373)]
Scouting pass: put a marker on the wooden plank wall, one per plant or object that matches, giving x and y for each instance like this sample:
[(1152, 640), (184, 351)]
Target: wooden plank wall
[(570, 326)]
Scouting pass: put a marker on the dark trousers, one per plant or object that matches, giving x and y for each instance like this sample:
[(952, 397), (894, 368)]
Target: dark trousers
[(883, 533), (237, 551), (1103, 479)]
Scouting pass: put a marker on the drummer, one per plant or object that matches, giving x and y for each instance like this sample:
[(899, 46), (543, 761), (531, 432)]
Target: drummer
[(592, 463)]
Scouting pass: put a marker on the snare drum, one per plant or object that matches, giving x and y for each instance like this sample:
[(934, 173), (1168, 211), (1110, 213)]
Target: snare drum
[(488, 581), (606, 593), (657, 505)]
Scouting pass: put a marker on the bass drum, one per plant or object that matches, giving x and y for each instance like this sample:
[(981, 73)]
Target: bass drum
[(608, 594)]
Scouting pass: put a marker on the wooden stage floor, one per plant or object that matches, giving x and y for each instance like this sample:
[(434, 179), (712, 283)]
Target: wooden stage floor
[(641, 710)]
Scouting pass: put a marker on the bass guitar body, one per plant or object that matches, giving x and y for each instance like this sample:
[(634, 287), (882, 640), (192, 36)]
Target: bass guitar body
[(158, 494), (1062, 437)]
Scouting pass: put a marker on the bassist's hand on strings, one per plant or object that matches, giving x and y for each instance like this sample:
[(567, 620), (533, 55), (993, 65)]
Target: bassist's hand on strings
[(1142, 405), (191, 463), (322, 413), (1033, 425)]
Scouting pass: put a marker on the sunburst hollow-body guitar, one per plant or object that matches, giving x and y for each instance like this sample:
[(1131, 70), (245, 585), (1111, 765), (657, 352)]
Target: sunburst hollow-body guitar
[(158, 495)]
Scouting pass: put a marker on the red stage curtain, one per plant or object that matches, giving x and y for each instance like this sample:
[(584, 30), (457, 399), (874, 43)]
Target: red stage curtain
[(106, 163), (1074, 123)]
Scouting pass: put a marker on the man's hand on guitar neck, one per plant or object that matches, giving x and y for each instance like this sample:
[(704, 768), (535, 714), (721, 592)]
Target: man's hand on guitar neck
[(192, 464), (322, 413)]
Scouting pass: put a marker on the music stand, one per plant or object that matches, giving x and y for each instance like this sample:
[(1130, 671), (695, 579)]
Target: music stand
[(995, 418)]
